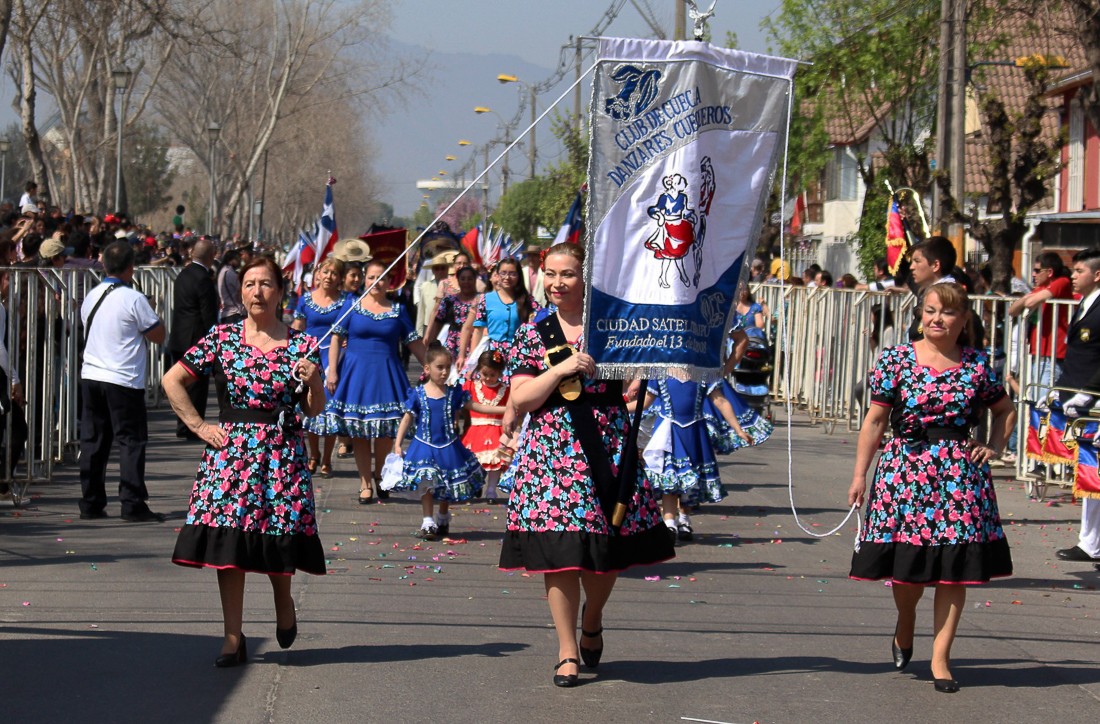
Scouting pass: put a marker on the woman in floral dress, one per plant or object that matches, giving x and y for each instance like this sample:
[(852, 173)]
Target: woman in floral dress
[(932, 516), (252, 507), (453, 310), (556, 524), (317, 310)]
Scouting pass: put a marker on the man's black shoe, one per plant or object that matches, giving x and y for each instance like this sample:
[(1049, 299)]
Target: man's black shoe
[(1074, 554), (94, 515), (143, 516)]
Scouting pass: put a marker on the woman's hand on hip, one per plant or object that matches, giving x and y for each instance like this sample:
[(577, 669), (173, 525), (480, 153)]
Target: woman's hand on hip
[(212, 435), (980, 453)]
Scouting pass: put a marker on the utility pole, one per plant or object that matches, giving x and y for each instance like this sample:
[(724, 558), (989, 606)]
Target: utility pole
[(943, 109), (577, 89), (680, 31), (958, 113)]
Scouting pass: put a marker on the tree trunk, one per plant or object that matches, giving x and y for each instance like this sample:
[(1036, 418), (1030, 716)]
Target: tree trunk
[(5, 23), (35, 157)]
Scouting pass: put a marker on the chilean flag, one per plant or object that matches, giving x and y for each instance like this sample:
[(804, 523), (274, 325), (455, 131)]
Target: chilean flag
[(1086, 478), (293, 264), (573, 227), (326, 234)]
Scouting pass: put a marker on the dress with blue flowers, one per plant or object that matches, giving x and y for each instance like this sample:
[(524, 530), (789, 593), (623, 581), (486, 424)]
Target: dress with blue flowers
[(555, 521), (371, 386), (932, 513), (435, 459), (319, 320), (252, 504)]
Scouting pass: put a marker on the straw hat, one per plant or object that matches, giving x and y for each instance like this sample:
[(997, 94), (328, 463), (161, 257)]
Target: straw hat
[(352, 250), (445, 258)]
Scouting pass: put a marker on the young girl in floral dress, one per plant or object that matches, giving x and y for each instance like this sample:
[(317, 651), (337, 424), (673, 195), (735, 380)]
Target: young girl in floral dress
[(435, 460), (488, 401)]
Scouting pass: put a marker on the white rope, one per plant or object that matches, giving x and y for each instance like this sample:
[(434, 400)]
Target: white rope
[(783, 330), (485, 222)]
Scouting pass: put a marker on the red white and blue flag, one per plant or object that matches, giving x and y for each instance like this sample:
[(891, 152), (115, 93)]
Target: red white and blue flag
[(573, 227), (315, 244), (1055, 448), (1086, 478)]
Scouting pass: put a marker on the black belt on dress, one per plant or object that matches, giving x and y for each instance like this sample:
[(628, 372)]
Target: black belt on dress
[(284, 417), (935, 433)]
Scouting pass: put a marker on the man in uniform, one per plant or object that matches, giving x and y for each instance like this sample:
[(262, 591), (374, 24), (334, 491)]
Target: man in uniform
[(1081, 371)]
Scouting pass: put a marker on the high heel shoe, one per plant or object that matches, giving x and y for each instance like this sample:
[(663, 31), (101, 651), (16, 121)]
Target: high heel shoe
[(901, 656), (565, 681), (366, 499), (945, 686), (286, 636), (240, 656), (591, 657), (382, 494)]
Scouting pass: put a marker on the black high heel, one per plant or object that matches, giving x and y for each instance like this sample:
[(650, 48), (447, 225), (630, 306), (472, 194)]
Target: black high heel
[(240, 656), (591, 657), (565, 680), (901, 656), (286, 636), (382, 494), (946, 686)]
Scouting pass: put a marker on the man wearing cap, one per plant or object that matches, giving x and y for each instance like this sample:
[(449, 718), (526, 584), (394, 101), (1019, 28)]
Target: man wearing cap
[(425, 294), (532, 274), (117, 322), (194, 312), (53, 251)]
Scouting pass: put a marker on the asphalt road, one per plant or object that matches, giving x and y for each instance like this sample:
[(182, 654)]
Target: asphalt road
[(755, 621)]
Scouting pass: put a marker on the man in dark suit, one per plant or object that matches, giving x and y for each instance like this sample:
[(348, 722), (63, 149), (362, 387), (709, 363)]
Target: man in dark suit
[(194, 312), (1081, 371)]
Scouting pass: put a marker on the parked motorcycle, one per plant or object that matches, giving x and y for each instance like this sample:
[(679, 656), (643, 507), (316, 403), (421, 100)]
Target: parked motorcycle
[(752, 376)]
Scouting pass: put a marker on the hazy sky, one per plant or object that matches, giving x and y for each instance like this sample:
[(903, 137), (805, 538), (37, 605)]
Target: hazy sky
[(411, 144)]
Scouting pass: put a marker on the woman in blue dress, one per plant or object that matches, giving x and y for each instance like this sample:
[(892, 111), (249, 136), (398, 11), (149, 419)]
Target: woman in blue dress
[(498, 313), (436, 461), (369, 386), (680, 459), (315, 314)]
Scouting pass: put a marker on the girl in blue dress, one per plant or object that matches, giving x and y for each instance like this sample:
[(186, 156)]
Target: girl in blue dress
[(436, 461), (315, 314), (369, 386), (679, 458)]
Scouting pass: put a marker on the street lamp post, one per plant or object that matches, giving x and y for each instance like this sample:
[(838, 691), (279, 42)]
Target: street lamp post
[(503, 78), (121, 77), (507, 142), (5, 146), (212, 132)]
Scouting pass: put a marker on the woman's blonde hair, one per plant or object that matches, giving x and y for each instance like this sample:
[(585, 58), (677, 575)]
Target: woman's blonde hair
[(954, 297)]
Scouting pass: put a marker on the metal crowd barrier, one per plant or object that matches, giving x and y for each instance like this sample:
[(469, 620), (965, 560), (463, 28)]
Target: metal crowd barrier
[(822, 363), (44, 340)]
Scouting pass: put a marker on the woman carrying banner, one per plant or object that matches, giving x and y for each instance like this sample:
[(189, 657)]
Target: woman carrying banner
[(932, 517), (569, 457)]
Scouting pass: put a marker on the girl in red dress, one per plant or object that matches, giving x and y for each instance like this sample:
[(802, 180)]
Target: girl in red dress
[(488, 401)]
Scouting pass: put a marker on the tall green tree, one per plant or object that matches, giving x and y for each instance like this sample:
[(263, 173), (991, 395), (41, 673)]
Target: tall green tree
[(521, 212), (146, 168)]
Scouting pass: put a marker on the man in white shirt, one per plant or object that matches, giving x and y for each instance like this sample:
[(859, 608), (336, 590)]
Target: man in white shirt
[(532, 274), (117, 322)]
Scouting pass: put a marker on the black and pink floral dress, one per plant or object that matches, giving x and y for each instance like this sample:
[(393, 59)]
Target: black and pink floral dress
[(932, 513), (555, 522), (252, 504)]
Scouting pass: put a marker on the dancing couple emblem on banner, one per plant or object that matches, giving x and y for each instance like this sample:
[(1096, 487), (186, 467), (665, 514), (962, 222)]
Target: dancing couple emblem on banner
[(680, 228)]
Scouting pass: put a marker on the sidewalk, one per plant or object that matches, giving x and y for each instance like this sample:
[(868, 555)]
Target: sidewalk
[(754, 621)]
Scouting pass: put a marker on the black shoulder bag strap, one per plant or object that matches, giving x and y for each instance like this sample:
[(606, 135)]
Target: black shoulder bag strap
[(583, 418), (91, 315)]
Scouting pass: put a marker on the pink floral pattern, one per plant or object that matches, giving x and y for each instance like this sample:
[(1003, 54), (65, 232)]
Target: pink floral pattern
[(928, 492), (258, 482), (552, 489)]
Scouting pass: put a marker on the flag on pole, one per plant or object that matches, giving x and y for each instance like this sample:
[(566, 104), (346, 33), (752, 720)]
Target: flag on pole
[(1056, 448), (326, 234), (573, 227), (897, 241), (292, 263), (686, 138)]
